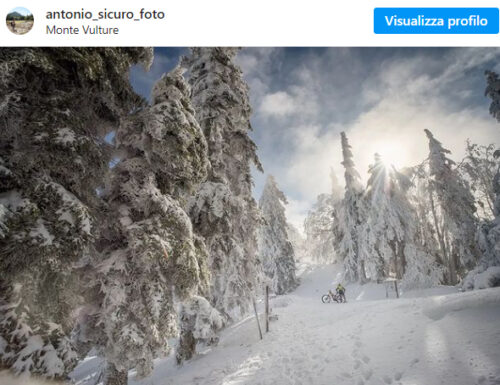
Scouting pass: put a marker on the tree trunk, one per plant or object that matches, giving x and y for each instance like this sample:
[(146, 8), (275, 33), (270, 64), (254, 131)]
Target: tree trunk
[(440, 237), (363, 272), (187, 346), (114, 376)]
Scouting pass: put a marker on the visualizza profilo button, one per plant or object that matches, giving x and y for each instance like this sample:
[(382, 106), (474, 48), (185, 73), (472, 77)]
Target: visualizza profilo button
[(436, 20)]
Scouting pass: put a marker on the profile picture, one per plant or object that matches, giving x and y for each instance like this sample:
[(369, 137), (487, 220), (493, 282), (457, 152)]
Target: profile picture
[(20, 20)]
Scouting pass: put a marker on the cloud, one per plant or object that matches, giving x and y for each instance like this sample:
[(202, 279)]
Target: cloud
[(382, 101), (383, 98), (277, 104)]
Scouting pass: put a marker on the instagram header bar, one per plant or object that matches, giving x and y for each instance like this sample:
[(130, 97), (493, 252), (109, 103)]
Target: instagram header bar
[(252, 23)]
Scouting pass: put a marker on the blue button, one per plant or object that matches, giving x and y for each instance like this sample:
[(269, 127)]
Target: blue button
[(435, 20)]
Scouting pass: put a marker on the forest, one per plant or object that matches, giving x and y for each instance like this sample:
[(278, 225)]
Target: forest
[(153, 244)]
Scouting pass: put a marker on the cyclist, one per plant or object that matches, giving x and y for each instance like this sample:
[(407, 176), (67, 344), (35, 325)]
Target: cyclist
[(341, 292)]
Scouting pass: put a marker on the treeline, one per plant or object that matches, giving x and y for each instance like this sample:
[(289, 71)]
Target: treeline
[(433, 223), (18, 16)]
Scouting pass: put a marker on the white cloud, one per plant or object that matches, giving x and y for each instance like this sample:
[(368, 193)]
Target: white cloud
[(277, 104)]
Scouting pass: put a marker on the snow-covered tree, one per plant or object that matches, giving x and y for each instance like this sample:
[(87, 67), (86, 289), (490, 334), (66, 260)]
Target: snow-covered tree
[(321, 225), (389, 242), (297, 240), (199, 322), (478, 168), (275, 250), (381, 235), (453, 209), (223, 210), (487, 273), (56, 107), (493, 92), (350, 217), (149, 252), (319, 230), (422, 267)]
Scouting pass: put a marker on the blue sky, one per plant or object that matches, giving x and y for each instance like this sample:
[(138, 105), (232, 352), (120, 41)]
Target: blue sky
[(383, 98), (21, 10)]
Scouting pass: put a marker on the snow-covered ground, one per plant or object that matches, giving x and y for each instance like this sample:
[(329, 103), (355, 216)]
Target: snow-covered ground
[(428, 337)]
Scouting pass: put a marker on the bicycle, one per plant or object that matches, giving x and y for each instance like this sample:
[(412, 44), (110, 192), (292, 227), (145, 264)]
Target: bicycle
[(332, 297)]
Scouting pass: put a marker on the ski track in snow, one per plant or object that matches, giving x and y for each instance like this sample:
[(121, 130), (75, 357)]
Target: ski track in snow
[(428, 337)]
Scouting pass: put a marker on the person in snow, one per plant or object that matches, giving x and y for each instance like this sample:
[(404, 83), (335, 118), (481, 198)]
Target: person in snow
[(341, 292)]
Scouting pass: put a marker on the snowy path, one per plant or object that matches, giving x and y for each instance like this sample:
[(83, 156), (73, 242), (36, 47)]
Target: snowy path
[(425, 338)]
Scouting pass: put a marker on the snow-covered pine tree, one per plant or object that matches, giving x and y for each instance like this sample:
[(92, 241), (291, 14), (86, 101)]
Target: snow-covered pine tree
[(297, 240), (452, 205), (493, 92), (389, 243), (57, 104), (421, 266), (321, 225), (223, 210), (149, 253), (319, 230), (350, 217), (275, 250), (478, 168), (381, 235), (487, 273)]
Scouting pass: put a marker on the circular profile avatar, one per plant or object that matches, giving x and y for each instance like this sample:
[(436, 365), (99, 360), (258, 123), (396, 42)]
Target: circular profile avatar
[(20, 21)]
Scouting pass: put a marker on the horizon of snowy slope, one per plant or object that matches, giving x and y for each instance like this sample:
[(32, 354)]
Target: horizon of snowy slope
[(427, 337)]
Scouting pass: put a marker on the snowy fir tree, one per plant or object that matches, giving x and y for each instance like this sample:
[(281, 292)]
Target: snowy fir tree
[(381, 235), (149, 252), (319, 230), (389, 243), (350, 215), (298, 242), (199, 322), (453, 209), (487, 273), (478, 168), (275, 250), (57, 106), (321, 225), (223, 210), (493, 92)]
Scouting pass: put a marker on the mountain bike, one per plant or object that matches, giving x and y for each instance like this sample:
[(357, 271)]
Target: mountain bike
[(331, 297)]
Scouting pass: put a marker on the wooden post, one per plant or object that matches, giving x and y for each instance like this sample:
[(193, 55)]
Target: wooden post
[(257, 317), (396, 288), (363, 272), (386, 290), (267, 309)]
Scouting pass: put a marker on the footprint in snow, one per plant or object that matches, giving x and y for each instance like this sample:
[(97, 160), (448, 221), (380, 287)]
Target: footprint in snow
[(366, 359), (414, 361), (358, 344), (357, 364), (367, 374), (360, 382), (398, 376), (346, 375), (387, 379)]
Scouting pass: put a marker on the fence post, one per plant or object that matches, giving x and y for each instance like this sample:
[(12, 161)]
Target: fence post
[(257, 317), (267, 309), (396, 288)]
